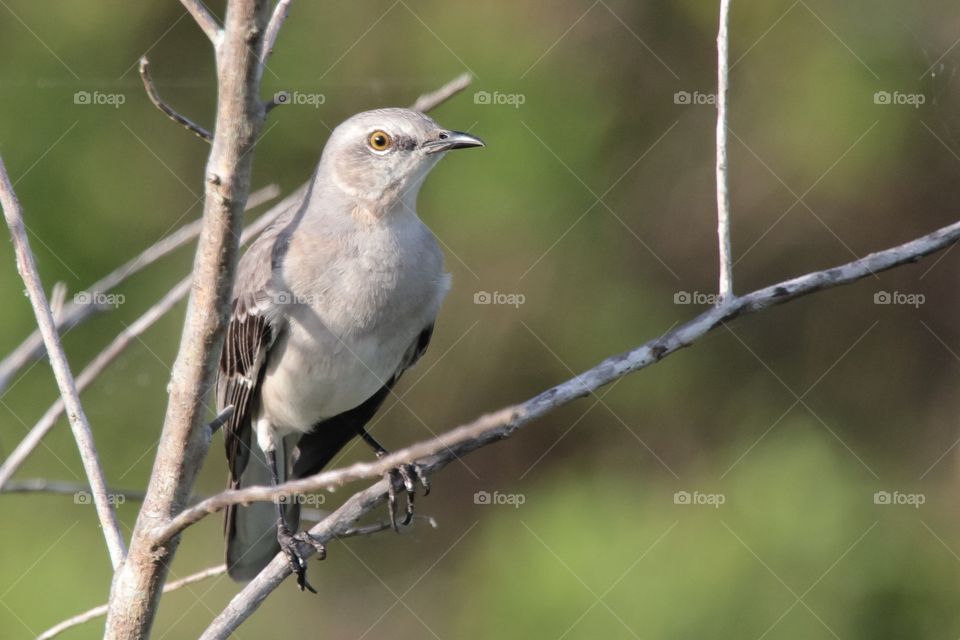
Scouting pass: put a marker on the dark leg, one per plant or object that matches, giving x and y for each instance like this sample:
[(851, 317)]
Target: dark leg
[(408, 474), (290, 541)]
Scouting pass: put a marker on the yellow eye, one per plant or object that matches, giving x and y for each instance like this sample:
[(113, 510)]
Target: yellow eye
[(380, 140)]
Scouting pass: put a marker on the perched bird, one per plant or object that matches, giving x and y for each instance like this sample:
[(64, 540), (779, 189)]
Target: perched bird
[(331, 305)]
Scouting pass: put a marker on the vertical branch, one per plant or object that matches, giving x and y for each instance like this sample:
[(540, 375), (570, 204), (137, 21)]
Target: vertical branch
[(136, 588), (27, 266), (723, 195)]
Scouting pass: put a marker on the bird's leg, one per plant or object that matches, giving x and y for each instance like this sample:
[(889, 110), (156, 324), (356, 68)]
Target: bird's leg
[(409, 474), (290, 541)]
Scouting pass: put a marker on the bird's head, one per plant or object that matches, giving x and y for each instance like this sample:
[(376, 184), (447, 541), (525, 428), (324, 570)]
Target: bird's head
[(384, 155)]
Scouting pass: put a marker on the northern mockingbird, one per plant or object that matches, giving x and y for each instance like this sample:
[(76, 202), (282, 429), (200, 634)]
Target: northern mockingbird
[(331, 305)]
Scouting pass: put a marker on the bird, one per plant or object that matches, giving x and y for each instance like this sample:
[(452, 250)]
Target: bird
[(331, 304)]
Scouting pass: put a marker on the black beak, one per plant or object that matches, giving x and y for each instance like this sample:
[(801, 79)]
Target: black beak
[(447, 140)]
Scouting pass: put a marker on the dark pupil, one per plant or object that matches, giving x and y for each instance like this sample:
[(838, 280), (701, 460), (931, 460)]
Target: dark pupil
[(379, 141)]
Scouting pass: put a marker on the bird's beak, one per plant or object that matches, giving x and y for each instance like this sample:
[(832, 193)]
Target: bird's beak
[(447, 140)]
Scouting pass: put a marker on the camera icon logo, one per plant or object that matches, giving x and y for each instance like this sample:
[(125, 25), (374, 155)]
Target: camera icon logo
[(682, 97), (82, 97), (882, 297), (482, 497), (482, 297), (281, 97), (682, 297), (482, 97), (882, 497), (882, 97), (682, 497)]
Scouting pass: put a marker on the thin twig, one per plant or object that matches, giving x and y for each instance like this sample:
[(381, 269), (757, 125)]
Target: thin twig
[(74, 313), (723, 194), (273, 29), (27, 267), (435, 454), (119, 344), (204, 20), (434, 99), (171, 113), (502, 423), (100, 611)]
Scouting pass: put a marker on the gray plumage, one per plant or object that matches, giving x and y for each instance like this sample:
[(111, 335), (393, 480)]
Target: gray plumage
[(331, 304)]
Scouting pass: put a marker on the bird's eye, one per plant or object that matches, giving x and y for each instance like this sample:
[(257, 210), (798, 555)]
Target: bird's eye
[(380, 140)]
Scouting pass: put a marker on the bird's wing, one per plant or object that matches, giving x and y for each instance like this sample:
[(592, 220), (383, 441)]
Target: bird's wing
[(246, 344), (319, 445)]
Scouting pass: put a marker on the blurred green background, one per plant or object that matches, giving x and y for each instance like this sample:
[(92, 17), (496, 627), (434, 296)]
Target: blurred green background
[(594, 200)]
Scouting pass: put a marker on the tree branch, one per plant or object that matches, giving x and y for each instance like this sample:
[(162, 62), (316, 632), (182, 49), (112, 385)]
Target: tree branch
[(502, 423), (723, 195), (27, 267), (434, 99), (136, 588), (204, 20), (97, 612), (158, 102), (435, 454), (119, 345), (273, 30), (74, 313)]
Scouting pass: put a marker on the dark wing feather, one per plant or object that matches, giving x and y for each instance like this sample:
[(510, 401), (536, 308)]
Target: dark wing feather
[(248, 338)]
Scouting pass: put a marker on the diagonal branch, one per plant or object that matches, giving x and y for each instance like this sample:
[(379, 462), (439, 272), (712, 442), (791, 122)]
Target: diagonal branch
[(27, 266), (429, 101), (119, 344), (73, 313), (273, 30), (101, 611), (501, 424), (435, 454), (204, 20)]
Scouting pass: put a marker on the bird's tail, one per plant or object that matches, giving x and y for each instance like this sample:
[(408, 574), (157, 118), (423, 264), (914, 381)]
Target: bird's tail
[(251, 530)]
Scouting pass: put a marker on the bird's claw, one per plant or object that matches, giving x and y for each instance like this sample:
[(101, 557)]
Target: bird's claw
[(407, 475), (290, 544)]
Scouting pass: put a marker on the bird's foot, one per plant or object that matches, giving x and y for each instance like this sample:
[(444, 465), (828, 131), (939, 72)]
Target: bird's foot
[(407, 476), (291, 544)]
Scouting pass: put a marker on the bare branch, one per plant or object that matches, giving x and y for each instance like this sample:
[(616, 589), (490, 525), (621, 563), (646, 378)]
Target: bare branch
[(122, 341), (136, 588), (158, 102), (205, 20), (503, 423), (434, 454), (434, 99), (100, 611), (723, 194), (273, 29), (73, 314), (27, 267)]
